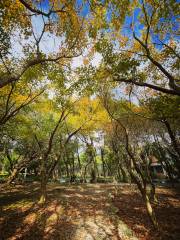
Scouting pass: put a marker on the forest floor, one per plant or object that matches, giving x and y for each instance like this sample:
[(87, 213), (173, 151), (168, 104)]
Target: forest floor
[(86, 212)]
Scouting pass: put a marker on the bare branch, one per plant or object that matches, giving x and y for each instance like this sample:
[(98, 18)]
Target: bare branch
[(9, 78), (39, 12), (10, 114), (148, 85), (169, 47), (172, 80)]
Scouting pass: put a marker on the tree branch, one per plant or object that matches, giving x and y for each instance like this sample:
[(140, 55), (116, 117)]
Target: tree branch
[(9, 114), (39, 12), (172, 82), (5, 79), (148, 85)]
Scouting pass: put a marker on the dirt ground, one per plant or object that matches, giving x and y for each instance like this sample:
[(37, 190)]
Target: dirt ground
[(132, 211), (85, 212)]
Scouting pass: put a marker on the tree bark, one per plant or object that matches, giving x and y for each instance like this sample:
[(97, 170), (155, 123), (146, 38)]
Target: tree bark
[(43, 196), (150, 210), (174, 144), (103, 163), (13, 175)]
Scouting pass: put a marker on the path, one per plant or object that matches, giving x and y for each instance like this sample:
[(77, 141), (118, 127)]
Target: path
[(82, 212)]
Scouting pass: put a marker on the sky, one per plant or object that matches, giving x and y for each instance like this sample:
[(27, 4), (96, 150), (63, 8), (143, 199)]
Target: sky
[(85, 10), (51, 43)]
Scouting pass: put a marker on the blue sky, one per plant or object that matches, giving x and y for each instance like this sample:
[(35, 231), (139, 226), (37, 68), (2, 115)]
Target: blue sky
[(126, 30), (85, 10)]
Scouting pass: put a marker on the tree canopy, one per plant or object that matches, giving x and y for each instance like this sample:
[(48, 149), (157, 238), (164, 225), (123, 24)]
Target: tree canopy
[(90, 89)]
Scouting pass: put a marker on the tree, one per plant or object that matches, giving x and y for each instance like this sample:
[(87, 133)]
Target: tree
[(60, 21), (136, 159), (13, 99), (165, 110), (142, 51)]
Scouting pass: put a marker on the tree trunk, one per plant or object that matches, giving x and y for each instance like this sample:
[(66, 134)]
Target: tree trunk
[(13, 176), (173, 138), (43, 196), (103, 163), (142, 186), (165, 162), (84, 175), (67, 169), (10, 160), (143, 190), (73, 165), (78, 157), (150, 210), (175, 145), (17, 169), (124, 176), (153, 197), (85, 170)]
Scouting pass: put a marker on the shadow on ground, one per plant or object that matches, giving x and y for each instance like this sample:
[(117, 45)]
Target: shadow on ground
[(85, 212), (132, 211), (72, 213)]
